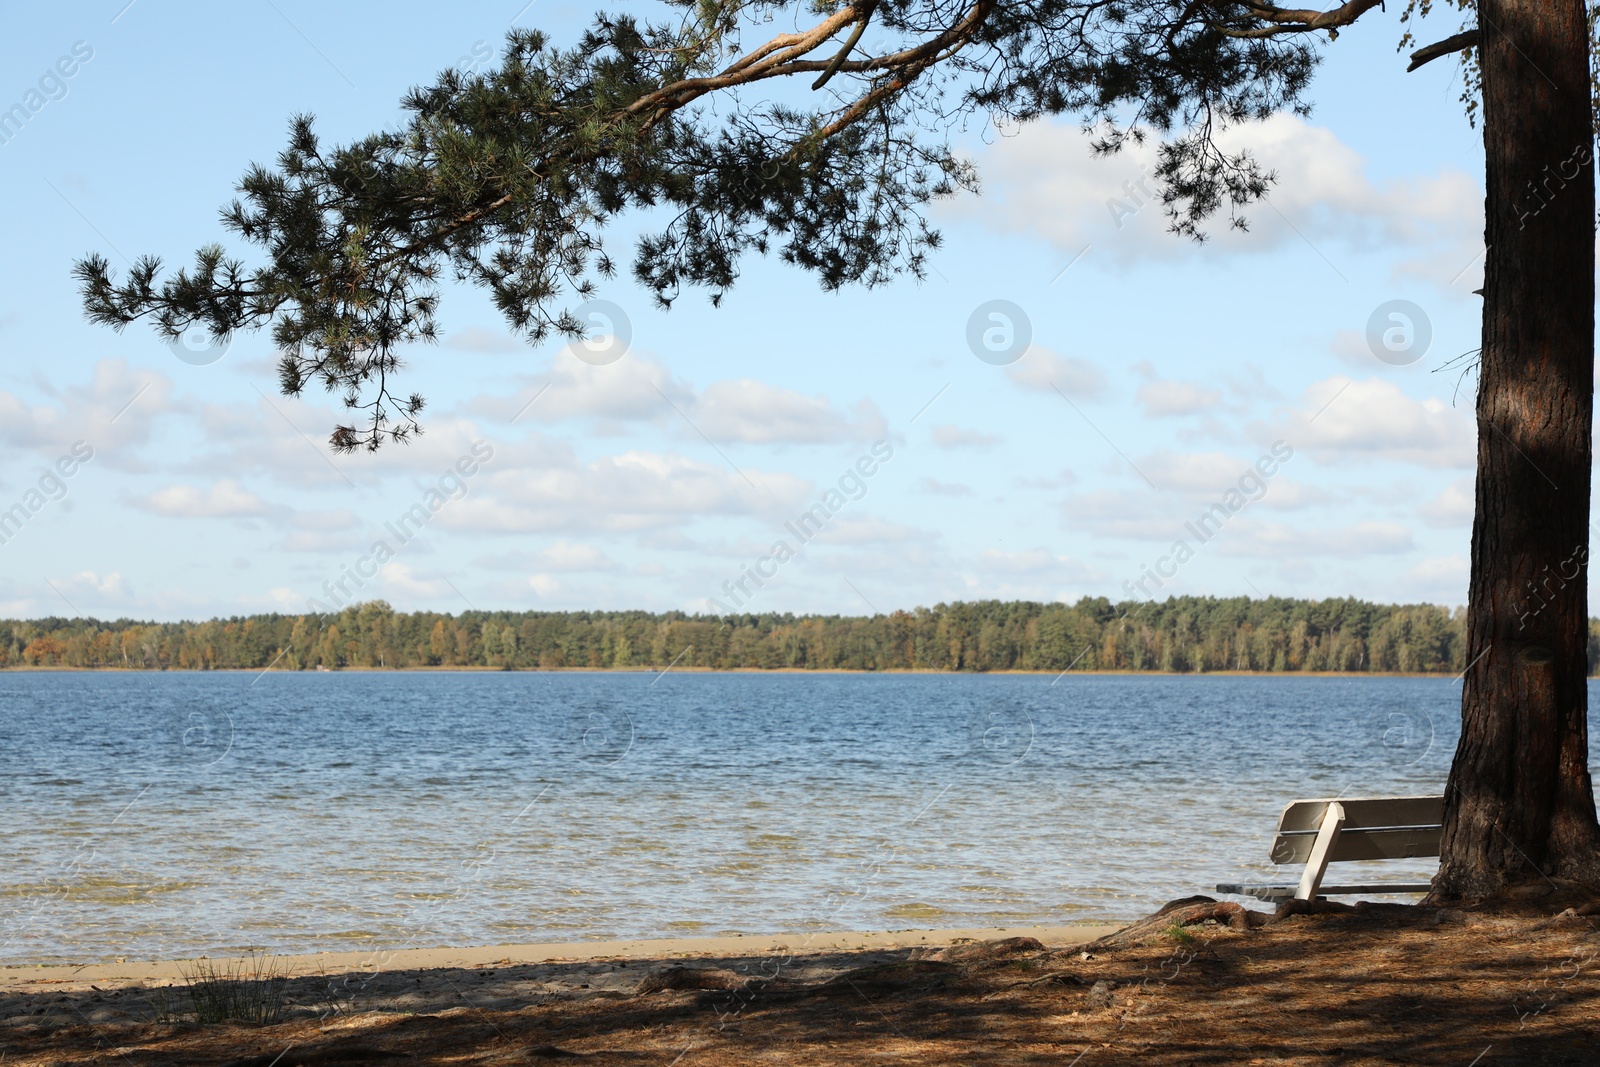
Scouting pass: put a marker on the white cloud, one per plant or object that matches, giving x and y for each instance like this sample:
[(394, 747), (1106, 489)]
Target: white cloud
[(96, 588), (636, 490), (639, 390), (1257, 539), (1284, 494), (938, 488), (574, 556), (1028, 574), (115, 411), (1137, 514), (629, 389), (1061, 480), (1341, 419), (320, 541), (1202, 477), (1202, 473), (1441, 579), (286, 441), (1038, 563), (282, 598), (1163, 398), (858, 529), (757, 413), (1045, 181), (402, 582), (1126, 513), (1042, 370), (475, 339), (948, 436), (1350, 348), (280, 438), (333, 530), (334, 519), (1452, 507), (223, 500)]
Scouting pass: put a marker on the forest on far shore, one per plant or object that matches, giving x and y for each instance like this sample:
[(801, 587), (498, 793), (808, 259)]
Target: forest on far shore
[(1180, 634)]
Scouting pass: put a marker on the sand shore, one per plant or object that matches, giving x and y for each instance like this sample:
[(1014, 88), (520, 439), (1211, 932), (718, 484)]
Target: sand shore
[(18, 979), (1369, 986)]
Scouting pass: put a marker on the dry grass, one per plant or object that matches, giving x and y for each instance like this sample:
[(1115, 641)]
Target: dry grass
[(241, 991), (1382, 985)]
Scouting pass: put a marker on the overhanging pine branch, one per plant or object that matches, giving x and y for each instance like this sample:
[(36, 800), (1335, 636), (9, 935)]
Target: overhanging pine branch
[(849, 45), (1281, 20), (1449, 46), (777, 63)]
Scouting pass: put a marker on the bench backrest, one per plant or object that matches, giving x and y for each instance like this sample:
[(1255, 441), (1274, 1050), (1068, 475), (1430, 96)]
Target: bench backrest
[(1375, 828)]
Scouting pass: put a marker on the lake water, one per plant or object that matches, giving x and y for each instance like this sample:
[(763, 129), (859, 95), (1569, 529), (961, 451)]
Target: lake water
[(169, 815)]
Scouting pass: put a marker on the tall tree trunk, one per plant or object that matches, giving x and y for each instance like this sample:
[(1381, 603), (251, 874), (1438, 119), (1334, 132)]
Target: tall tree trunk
[(1519, 805)]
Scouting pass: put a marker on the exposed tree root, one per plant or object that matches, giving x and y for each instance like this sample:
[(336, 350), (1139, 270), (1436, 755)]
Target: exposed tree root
[(1534, 899), (1185, 911), (1319, 906), (1555, 899)]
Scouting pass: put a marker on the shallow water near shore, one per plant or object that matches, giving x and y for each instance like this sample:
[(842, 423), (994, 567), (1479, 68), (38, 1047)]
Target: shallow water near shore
[(169, 815)]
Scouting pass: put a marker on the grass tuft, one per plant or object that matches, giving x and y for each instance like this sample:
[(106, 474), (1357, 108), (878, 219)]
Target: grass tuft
[(249, 990)]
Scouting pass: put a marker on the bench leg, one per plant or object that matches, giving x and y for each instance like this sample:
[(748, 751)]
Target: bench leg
[(1317, 863)]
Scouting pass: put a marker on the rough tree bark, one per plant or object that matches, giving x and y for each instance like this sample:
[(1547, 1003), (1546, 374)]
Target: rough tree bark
[(1519, 805)]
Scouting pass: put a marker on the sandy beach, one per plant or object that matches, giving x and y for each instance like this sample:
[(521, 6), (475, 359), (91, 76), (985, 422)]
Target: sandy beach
[(1369, 985), (531, 961), (485, 978)]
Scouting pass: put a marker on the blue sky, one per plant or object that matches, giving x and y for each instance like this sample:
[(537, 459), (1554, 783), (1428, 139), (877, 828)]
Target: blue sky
[(1158, 374)]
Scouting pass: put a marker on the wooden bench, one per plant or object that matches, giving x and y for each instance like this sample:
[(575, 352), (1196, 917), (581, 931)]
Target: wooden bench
[(1320, 832)]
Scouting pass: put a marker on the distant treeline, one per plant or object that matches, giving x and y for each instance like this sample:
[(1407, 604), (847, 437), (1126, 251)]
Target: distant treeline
[(1187, 634)]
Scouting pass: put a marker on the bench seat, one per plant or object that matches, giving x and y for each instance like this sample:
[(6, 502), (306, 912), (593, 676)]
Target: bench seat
[(1320, 832), (1286, 892)]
